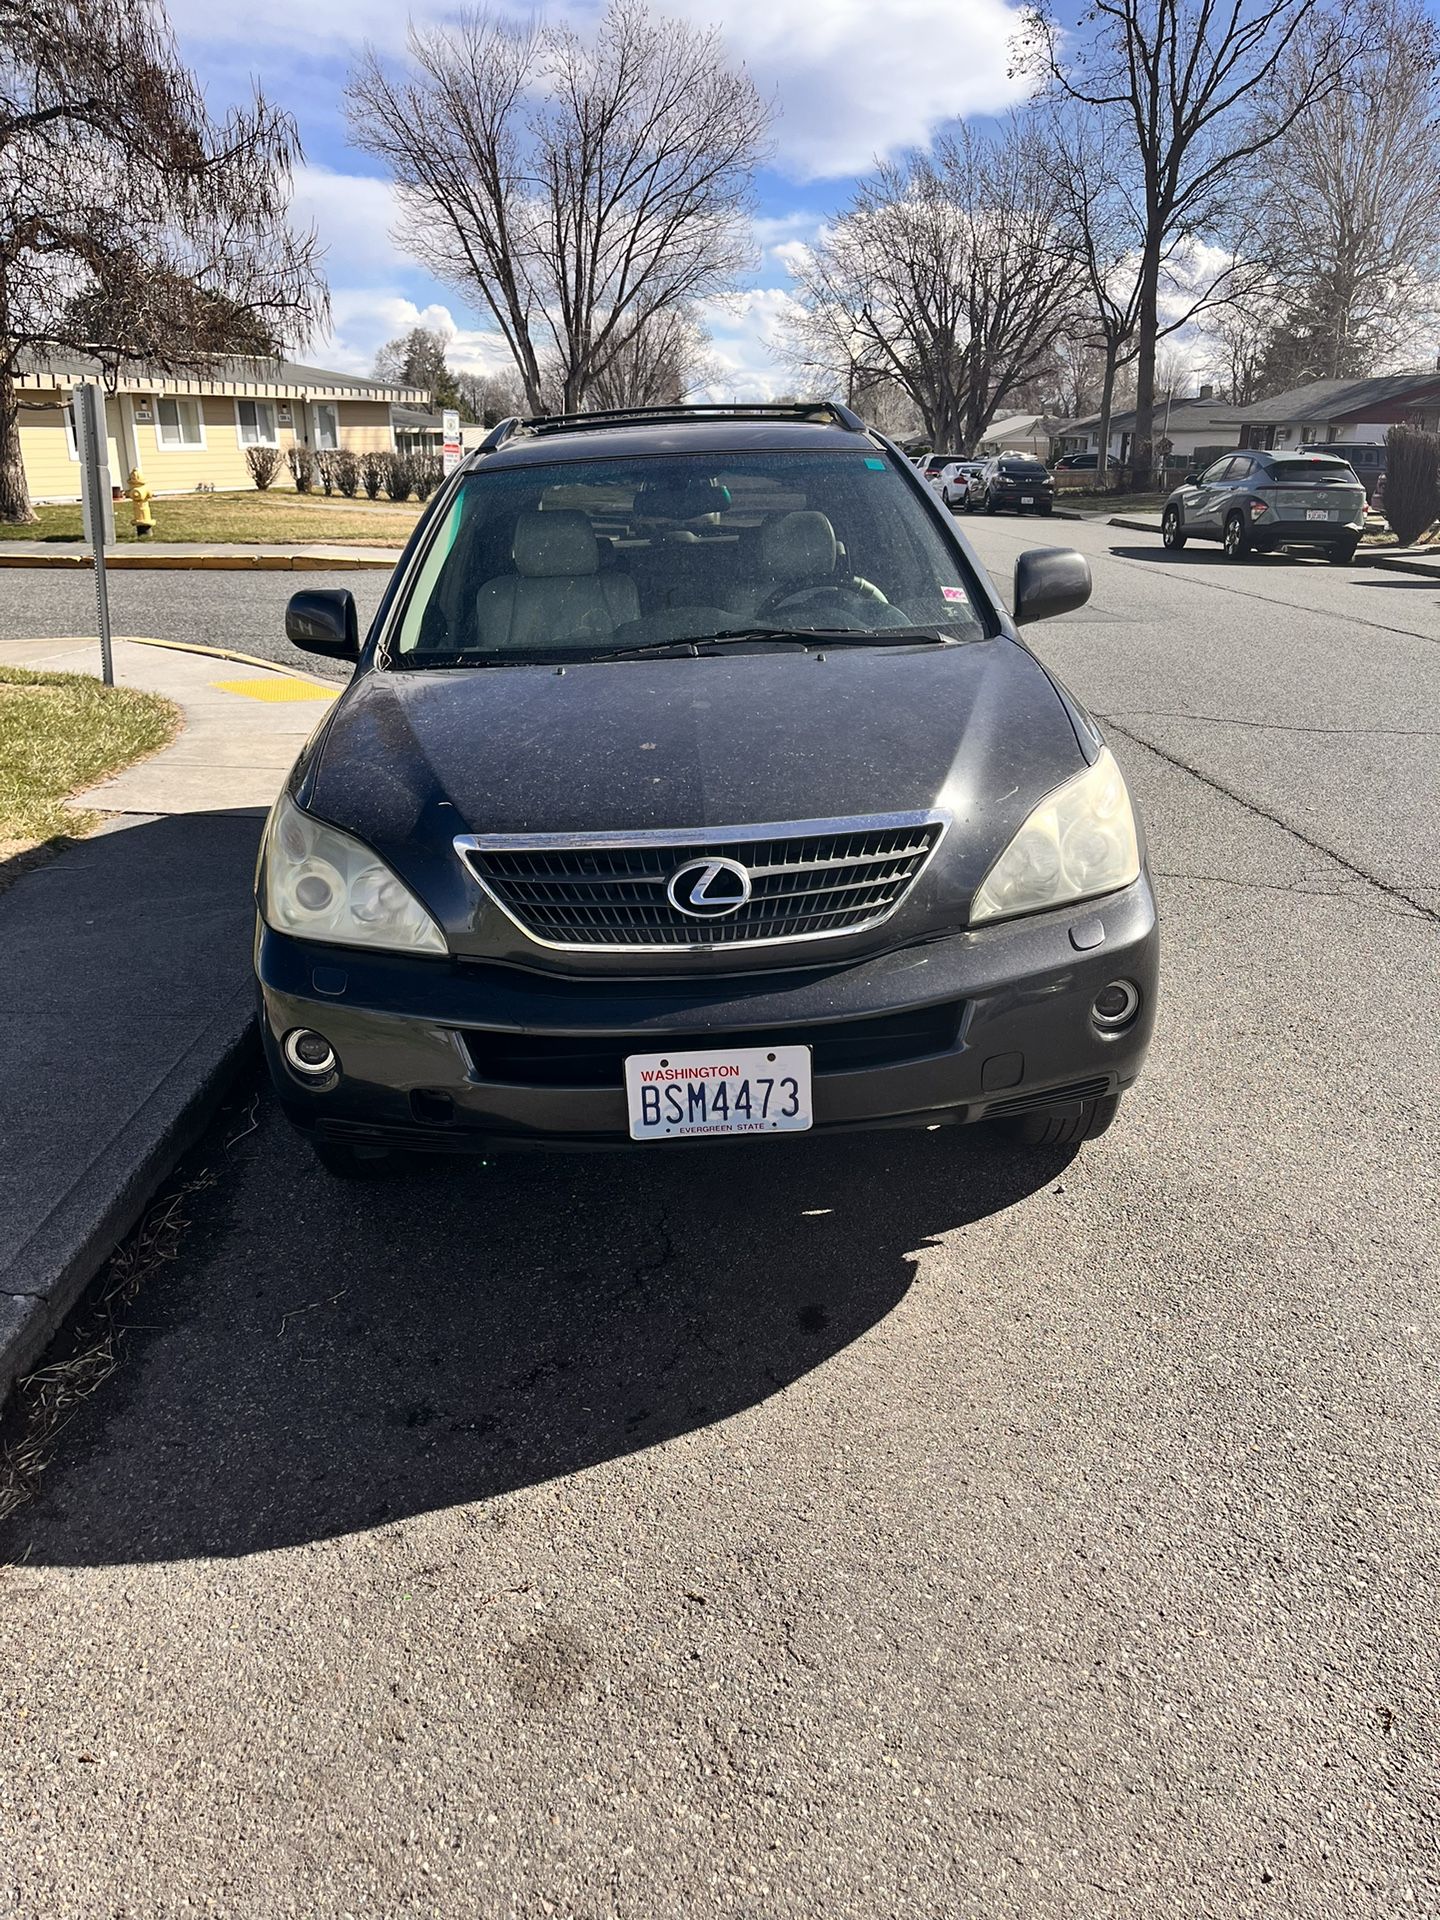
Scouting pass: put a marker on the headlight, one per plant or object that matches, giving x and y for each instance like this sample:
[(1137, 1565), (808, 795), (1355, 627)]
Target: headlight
[(321, 885), (1078, 842)]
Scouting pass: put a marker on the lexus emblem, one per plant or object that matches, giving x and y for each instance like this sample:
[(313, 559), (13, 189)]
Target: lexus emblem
[(708, 889)]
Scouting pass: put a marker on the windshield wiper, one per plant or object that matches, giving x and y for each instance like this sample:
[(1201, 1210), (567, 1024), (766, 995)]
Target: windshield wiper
[(803, 638)]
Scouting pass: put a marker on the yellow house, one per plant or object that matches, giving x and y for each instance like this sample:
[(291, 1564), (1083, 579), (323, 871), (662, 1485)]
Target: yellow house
[(186, 431)]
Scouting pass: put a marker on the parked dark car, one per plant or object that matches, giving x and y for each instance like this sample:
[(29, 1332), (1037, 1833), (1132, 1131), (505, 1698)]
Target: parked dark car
[(1076, 469), (1011, 483), (1365, 458), (1256, 502), (693, 780)]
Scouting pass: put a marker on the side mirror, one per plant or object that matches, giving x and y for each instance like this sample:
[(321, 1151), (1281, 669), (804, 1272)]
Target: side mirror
[(1190, 479), (323, 620), (1050, 581)]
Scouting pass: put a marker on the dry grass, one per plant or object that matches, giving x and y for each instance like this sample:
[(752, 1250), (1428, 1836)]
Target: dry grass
[(47, 1400), (248, 519), (60, 732)]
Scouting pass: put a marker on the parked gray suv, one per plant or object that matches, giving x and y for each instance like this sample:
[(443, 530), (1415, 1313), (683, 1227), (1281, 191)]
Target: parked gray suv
[(1254, 502)]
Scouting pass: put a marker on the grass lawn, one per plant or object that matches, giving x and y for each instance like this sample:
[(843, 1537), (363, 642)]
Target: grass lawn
[(258, 518), (60, 732)]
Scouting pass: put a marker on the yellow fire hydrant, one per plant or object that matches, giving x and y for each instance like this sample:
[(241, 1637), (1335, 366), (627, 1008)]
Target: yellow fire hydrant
[(140, 498)]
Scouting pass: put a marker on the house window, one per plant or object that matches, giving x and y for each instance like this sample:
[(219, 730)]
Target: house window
[(177, 422), (327, 425), (257, 422)]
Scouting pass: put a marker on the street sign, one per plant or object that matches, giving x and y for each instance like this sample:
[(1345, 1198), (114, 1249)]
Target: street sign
[(450, 421), (97, 508)]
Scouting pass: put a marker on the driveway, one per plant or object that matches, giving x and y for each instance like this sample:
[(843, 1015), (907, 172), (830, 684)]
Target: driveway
[(874, 1527)]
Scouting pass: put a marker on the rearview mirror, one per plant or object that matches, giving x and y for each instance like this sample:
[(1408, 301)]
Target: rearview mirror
[(323, 620), (1050, 581)]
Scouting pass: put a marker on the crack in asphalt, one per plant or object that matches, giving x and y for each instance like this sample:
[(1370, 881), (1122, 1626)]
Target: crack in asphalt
[(1391, 891), (1304, 892), (1268, 726)]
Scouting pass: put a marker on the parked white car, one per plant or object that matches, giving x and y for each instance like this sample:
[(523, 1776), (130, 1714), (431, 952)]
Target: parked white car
[(954, 481)]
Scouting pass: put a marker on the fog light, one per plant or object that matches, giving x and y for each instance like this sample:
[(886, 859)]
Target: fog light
[(308, 1052), (1116, 1005)]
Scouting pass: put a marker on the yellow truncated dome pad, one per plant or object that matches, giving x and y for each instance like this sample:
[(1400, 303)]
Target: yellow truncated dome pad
[(275, 687)]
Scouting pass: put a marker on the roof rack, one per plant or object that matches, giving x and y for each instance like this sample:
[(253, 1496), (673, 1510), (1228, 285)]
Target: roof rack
[(830, 410)]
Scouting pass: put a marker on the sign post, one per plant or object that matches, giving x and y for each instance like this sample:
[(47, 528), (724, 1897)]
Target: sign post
[(96, 505), (450, 422)]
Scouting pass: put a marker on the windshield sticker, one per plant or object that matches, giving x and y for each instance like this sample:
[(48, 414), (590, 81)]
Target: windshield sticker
[(953, 593), (876, 466)]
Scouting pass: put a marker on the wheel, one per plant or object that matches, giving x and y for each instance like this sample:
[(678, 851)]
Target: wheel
[(350, 1163), (1237, 538), (1063, 1129), (1343, 555), (1170, 533), (989, 504)]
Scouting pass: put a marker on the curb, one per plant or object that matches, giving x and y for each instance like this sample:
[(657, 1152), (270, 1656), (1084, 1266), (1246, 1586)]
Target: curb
[(73, 1243), (1133, 526), (1396, 563), (242, 659), (198, 563)]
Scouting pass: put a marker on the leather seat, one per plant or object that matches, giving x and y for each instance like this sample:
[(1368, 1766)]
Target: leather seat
[(790, 552), (557, 591)]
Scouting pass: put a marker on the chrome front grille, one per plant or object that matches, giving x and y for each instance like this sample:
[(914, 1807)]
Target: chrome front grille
[(809, 880)]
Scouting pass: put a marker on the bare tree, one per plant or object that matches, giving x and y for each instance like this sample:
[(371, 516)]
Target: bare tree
[(666, 360), (579, 188), (133, 227), (490, 397), (951, 277), (1183, 90), (1356, 205)]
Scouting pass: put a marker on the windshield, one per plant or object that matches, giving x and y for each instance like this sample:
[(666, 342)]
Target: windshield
[(1023, 466), (589, 558)]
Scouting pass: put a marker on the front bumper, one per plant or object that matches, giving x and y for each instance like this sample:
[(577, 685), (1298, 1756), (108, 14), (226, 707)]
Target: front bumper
[(464, 1056)]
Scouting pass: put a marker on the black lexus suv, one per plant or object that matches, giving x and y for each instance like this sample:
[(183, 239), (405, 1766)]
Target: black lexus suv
[(694, 781)]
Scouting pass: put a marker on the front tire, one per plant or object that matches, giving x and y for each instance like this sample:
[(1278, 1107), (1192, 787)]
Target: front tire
[(1171, 536), (1237, 537), (1065, 1128)]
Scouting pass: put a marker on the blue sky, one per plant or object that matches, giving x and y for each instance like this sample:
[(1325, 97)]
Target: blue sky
[(851, 80)]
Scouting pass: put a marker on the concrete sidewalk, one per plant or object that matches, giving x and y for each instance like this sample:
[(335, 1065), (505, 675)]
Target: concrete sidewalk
[(126, 961), (319, 557)]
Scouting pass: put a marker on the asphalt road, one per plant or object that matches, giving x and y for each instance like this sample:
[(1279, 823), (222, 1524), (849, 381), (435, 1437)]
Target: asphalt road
[(245, 611), (861, 1529)]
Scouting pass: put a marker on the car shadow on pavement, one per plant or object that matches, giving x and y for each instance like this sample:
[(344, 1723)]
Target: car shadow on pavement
[(1211, 554), (325, 1358)]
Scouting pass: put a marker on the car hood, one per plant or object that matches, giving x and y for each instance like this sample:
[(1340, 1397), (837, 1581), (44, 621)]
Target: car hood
[(410, 760)]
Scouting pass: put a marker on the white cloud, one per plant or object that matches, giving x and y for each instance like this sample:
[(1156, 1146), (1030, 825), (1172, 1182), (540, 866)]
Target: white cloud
[(852, 81), (353, 214), (364, 318), (744, 333)]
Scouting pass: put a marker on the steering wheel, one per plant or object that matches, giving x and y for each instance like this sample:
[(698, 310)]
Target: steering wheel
[(844, 592)]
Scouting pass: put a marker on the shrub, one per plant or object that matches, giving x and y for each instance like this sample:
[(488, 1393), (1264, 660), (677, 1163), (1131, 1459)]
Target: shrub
[(428, 473), (264, 464), (1412, 482), (301, 463), (372, 473), (325, 468), (347, 472), (399, 476)]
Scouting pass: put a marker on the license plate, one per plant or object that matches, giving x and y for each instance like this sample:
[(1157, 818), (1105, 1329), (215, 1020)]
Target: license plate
[(1317, 513), (739, 1090), (1027, 499)]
